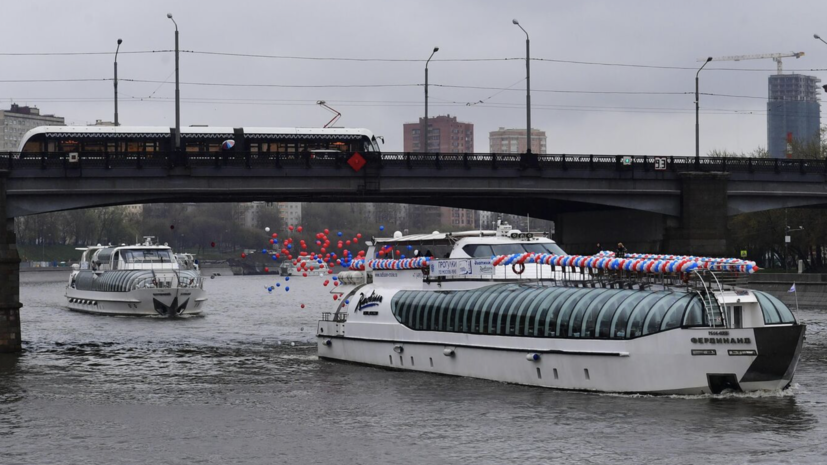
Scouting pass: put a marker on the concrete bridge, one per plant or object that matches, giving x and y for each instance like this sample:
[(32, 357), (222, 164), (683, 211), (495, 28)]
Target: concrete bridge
[(650, 203)]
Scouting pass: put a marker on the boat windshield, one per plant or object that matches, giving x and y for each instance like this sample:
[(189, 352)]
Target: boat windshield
[(146, 256), (489, 250)]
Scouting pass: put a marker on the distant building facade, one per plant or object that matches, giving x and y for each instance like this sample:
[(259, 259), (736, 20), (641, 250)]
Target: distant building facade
[(514, 141), (793, 112), (457, 218), (16, 121), (445, 135)]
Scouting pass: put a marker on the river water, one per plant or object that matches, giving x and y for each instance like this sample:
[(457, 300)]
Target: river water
[(242, 384)]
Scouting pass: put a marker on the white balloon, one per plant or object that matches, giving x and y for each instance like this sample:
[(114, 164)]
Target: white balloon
[(267, 229)]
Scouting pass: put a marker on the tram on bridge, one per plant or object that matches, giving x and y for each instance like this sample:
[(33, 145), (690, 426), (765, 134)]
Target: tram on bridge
[(147, 140)]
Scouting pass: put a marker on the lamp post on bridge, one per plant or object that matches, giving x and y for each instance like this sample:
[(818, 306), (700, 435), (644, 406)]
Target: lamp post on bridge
[(697, 125), (116, 81), (527, 88), (425, 131), (177, 90)]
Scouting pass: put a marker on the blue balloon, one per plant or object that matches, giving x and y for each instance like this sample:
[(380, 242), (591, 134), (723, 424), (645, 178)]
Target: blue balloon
[(410, 247), (274, 257), (289, 246), (286, 288), (278, 284), (381, 228), (263, 250), (403, 256), (339, 233), (275, 241), (347, 302), (287, 278), (335, 278)]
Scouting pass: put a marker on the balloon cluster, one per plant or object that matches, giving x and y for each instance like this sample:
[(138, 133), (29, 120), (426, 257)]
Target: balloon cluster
[(311, 258)]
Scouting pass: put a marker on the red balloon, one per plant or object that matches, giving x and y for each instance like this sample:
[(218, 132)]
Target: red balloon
[(172, 226), (290, 228), (299, 229), (398, 252), (266, 270), (212, 244), (329, 271), (326, 283), (335, 283), (327, 231), (359, 235), (304, 274), (347, 243), (381, 253), (243, 255), (336, 296), (311, 268), (323, 250), (355, 240), (302, 305)]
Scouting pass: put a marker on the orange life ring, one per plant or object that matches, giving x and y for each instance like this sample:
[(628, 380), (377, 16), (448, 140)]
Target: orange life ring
[(518, 268)]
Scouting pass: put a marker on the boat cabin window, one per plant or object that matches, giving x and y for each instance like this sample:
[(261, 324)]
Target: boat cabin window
[(775, 312), (519, 310), (146, 256), (489, 250)]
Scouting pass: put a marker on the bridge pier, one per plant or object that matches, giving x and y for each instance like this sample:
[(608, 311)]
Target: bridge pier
[(703, 221), (9, 279)]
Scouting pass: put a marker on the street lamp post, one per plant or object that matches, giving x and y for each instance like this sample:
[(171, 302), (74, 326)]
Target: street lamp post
[(116, 81), (177, 90), (527, 88), (697, 124), (816, 36), (424, 135)]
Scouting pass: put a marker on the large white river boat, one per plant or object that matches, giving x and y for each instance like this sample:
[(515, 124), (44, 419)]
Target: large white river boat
[(140, 280), (512, 307)]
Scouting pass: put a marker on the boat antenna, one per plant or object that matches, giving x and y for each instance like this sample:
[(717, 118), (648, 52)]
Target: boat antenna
[(335, 118)]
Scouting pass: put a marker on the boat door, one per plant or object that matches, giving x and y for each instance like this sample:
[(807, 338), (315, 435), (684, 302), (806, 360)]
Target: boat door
[(736, 315)]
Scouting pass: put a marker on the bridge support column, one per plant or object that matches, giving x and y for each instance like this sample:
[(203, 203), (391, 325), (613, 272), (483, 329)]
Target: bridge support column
[(9, 279), (703, 222)]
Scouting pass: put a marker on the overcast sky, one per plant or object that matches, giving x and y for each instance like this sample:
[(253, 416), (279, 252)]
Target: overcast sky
[(653, 33)]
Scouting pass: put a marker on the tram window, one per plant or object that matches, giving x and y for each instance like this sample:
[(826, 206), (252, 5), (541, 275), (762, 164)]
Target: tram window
[(51, 146), (69, 146), (34, 146), (93, 146), (134, 147), (151, 146)]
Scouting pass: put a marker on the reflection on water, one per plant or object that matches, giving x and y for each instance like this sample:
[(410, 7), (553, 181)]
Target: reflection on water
[(243, 385)]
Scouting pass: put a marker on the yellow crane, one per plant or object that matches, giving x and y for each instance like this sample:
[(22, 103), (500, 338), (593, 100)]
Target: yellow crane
[(776, 57)]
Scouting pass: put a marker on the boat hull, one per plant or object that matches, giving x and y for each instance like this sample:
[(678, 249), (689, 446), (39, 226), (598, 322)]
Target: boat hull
[(663, 363), (167, 302)]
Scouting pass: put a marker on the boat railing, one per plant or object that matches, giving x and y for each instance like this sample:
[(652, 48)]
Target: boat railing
[(714, 314), (337, 317)]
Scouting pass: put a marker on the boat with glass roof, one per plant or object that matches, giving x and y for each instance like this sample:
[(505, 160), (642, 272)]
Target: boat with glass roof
[(137, 280), (535, 316)]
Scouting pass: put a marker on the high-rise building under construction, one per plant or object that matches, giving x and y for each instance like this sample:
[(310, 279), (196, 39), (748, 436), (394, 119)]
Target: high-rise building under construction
[(793, 113)]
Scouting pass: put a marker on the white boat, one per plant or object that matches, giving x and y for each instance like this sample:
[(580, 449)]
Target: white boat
[(139, 280), (597, 326)]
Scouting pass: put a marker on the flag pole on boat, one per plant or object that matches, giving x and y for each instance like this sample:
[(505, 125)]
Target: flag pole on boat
[(792, 289)]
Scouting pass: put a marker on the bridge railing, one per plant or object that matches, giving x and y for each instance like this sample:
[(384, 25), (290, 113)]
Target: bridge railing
[(237, 159)]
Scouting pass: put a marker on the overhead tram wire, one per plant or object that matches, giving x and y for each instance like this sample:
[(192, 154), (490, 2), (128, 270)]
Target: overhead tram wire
[(399, 60)]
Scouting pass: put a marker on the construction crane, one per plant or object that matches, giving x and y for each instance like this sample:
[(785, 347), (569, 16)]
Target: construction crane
[(336, 116), (776, 57)]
